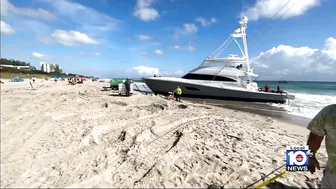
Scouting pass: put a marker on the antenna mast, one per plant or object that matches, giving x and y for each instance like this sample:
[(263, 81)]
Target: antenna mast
[(240, 32), (243, 26)]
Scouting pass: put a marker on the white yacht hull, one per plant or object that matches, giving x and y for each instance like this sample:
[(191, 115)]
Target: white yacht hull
[(211, 90)]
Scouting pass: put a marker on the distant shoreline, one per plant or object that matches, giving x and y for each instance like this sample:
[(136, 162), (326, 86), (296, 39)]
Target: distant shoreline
[(9, 75)]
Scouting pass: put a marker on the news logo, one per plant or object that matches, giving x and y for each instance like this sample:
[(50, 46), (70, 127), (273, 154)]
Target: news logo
[(297, 158)]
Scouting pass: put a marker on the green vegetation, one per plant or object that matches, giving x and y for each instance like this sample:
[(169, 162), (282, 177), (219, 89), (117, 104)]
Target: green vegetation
[(7, 72), (5, 61), (57, 69)]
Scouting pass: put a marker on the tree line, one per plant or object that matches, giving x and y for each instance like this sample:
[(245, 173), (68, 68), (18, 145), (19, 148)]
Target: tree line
[(6, 61), (32, 70)]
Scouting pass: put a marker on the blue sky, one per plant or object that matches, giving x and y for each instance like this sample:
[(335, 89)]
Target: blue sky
[(119, 38)]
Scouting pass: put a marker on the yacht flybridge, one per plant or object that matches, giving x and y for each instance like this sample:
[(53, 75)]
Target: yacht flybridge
[(221, 78)]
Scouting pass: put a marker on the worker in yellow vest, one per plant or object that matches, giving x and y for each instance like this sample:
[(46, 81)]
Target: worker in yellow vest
[(177, 93)]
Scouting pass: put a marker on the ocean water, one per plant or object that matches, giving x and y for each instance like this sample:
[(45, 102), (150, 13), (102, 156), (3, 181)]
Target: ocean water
[(310, 97)]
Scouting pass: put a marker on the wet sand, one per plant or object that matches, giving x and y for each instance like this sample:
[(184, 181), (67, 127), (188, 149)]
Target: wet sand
[(255, 108)]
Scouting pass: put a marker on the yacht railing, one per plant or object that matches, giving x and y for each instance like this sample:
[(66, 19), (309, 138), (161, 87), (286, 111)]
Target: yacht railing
[(223, 67), (214, 59)]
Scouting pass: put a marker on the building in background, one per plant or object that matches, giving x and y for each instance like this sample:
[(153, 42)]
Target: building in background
[(46, 67), (14, 66)]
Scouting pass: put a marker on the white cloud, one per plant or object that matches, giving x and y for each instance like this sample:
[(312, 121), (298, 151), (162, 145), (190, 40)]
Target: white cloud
[(187, 29), (72, 38), (158, 51), (144, 70), (143, 37), (88, 18), (189, 48), (6, 28), (176, 47), (172, 73), (40, 56), (178, 72), (213, 20), (330, 43), (269, 8), (298, 63), (144, 10), (204, 22), (330, 47), (7, 9), (143, 53), (89, 54)]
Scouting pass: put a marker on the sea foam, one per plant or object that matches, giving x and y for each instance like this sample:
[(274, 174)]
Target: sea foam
[(307, 105)]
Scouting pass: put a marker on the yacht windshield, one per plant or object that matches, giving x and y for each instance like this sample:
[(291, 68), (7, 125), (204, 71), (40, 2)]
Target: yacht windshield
[(207, 63)]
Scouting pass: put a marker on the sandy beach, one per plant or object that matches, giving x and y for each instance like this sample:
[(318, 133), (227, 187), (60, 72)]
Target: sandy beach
[(60, 135)]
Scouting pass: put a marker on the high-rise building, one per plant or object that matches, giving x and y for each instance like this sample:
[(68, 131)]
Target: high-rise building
[(48, 67)]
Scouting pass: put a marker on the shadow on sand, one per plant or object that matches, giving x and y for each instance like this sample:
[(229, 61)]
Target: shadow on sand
[(279, 185), (116, 94)]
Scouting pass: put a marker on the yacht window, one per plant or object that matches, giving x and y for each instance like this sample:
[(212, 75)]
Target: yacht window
[(206, 64), (207, 77), (245, 80), (192, 88)]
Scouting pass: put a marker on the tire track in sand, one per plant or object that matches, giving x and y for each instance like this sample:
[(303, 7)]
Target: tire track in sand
[(116, 172), (41, 134), (141, 169), (22, 151)]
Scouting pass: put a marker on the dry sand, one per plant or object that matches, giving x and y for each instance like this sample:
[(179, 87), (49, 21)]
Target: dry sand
[(79, 136)]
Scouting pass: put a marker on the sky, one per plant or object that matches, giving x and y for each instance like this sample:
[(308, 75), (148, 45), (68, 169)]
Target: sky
[(288, 39)]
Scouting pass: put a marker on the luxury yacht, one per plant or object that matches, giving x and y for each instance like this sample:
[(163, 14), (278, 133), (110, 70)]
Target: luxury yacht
[(227, 78)]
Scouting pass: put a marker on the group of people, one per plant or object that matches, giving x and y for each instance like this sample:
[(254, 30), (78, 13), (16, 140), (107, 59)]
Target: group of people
[(266, 89)]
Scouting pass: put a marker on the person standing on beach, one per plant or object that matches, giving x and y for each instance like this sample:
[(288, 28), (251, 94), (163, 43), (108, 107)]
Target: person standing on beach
[(128, 86), (33, 79), (177, 93), (324, 124)]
